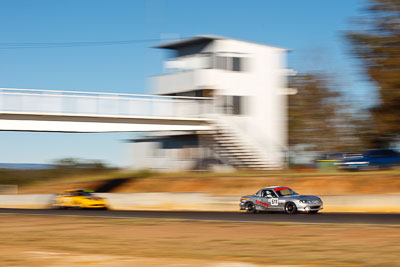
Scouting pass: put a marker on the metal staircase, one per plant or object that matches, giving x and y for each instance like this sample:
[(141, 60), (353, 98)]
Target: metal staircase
[(234, 149)]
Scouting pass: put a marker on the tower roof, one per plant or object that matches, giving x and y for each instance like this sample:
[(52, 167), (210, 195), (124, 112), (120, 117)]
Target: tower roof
[(200, 39), (189, 41)]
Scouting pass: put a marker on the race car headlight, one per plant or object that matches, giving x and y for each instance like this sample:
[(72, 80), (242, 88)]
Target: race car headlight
[(304, 201)]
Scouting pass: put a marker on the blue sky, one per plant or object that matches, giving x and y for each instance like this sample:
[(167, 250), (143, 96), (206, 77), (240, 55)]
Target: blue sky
[(312, 29)]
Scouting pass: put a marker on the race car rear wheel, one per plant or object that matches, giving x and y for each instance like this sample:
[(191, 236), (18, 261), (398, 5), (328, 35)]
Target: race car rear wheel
[(290, 208), (250, 208)]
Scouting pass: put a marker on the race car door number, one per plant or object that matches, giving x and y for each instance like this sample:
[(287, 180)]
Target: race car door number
[(274, 202)]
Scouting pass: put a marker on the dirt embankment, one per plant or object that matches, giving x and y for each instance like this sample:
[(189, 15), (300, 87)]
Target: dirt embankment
[(228, 186), (236, 184)]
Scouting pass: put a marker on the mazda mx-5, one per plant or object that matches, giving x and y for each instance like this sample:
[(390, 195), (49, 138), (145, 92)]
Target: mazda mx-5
[(280, 198)]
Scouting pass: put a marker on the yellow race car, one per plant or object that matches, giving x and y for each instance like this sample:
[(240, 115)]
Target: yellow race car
[(79, 199)]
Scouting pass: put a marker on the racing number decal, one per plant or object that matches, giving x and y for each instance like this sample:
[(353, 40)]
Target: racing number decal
[(274, 201)]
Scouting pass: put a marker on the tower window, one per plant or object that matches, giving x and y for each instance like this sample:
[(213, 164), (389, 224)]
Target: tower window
[(236, 64), (229, 63)]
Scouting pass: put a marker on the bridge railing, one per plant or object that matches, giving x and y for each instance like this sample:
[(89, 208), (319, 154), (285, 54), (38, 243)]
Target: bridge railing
[(53, 102)]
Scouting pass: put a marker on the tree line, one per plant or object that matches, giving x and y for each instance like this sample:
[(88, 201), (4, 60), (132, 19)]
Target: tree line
[(319, 117)]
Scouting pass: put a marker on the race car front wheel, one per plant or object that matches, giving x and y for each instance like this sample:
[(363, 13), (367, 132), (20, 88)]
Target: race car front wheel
[(290, 208), (250, 208), (77, 205)]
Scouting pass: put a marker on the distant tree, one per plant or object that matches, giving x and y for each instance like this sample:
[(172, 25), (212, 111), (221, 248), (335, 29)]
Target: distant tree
[(66, 162), (376, 43), (318, 119), (72, 163)]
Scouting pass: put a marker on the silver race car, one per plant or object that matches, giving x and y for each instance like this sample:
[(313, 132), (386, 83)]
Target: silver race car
[(280, 198)]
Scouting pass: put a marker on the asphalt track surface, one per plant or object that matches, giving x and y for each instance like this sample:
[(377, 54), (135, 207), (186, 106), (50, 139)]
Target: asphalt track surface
[(341, 218)]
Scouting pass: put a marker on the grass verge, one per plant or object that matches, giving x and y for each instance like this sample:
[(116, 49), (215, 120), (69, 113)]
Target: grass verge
[(65, 241)]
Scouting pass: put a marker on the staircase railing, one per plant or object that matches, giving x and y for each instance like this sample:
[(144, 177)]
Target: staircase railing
[(249, 138)]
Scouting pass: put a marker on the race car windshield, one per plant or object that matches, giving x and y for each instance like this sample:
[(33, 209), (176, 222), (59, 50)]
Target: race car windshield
[(286, 192), (83, 193)]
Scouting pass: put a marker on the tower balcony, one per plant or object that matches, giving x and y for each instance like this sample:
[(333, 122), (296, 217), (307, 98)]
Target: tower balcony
[(186, 81)]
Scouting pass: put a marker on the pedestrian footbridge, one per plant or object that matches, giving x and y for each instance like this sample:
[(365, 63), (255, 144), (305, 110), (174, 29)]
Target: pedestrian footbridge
[(72, 111), (90, 112)]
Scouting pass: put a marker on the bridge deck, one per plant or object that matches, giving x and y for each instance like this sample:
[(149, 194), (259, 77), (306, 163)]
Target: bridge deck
[(70, 111)]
